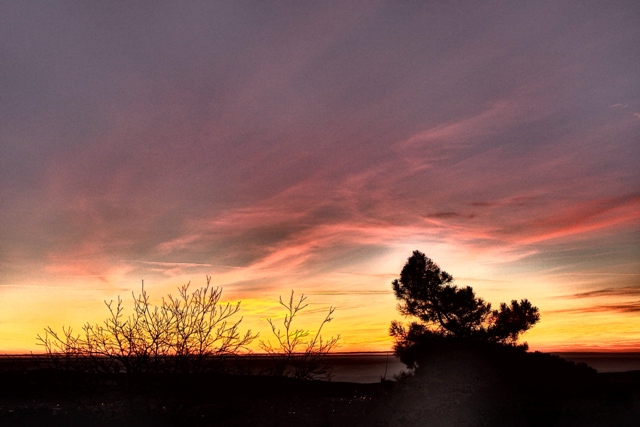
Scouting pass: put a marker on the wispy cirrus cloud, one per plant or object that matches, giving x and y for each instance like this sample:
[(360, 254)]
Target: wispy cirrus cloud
[(608, 292), (632, 307)]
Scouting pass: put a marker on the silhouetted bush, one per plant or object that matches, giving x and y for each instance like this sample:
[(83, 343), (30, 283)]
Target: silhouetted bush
[(294, 355), (189, 333), (445, 311), (515, 365)]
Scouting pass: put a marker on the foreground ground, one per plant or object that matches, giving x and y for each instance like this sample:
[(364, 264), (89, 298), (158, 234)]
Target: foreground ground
[(454, 391)]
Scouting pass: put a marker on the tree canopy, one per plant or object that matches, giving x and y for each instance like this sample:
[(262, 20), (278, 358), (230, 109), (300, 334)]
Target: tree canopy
[(426, 292)]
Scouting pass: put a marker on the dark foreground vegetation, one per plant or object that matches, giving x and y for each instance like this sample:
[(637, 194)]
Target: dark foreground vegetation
[(462, 386), (179, 363)]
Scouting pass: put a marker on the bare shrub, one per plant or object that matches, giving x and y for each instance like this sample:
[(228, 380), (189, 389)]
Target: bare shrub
[(192, 332), (294, 354)]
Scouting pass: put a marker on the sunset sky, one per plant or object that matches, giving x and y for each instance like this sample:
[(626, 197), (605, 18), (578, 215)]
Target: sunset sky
[(313, 147)]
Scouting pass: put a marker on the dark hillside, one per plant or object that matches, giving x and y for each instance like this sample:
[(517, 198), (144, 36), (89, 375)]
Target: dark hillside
[(476, 384), (454, 387)]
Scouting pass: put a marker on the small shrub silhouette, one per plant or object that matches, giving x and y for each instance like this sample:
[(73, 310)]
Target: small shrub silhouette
[(190, 333), (293, 354), (445, 311)]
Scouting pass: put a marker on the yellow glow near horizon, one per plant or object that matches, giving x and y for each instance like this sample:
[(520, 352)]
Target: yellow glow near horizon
[(362, 319)]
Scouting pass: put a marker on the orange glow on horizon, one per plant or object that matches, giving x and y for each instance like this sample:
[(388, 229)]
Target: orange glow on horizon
[(360, 331)]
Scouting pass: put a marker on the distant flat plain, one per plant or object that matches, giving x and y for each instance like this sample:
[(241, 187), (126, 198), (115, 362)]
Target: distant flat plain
[(371, 367)]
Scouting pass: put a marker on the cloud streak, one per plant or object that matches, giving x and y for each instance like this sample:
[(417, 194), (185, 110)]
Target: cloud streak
[(607, 292), (630, 307)]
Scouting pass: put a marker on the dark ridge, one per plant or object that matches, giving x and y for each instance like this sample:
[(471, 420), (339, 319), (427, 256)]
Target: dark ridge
[(458, 385)]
